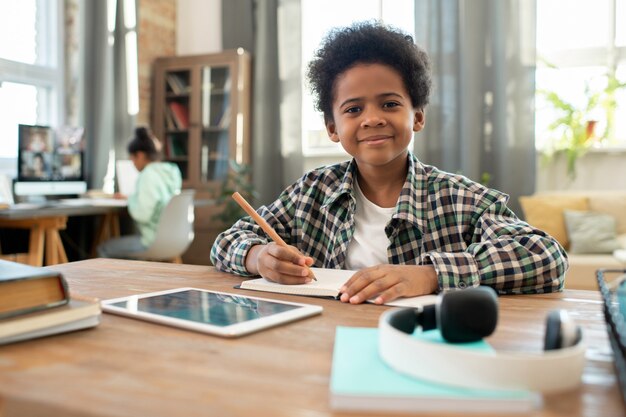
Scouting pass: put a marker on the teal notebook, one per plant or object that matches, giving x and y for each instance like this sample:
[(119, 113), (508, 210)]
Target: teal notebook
[(361, 381)]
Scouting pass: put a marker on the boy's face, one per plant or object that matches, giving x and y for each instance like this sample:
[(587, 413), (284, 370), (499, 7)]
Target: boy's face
[(373, 117)]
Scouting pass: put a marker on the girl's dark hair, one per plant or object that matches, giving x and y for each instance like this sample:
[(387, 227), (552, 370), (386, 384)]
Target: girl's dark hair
[(370, 43), (144, 141)]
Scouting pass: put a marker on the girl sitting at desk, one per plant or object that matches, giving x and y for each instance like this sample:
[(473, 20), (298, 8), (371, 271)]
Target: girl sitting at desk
[(156, 184)]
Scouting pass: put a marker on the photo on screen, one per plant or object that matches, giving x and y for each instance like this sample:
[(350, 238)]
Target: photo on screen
[(46, 154), (36, 148), (69, 152)]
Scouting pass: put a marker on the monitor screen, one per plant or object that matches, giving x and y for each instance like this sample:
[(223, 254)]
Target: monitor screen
[(46, 154)]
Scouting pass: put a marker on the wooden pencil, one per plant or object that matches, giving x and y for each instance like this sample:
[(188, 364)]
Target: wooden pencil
[(262, 223)]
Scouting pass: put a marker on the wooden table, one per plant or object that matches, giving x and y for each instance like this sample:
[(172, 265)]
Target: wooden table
[(126, 367), (45, 223)]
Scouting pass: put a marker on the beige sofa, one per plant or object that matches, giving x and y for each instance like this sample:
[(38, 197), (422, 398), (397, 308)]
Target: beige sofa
[(549, 211)]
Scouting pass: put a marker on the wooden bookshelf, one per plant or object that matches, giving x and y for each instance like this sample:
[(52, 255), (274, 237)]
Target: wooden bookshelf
[(201, 113)]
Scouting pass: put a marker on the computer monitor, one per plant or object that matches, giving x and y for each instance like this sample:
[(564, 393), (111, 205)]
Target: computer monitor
[(50, 162)]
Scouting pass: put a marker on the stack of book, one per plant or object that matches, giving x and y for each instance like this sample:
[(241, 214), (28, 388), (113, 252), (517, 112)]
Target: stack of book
[(35, 302), (361, 382)]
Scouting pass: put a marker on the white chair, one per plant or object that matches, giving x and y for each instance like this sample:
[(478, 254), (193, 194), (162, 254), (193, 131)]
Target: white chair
[(175, 232)]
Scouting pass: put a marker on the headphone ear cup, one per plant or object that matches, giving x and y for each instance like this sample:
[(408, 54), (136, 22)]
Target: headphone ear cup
[(404, 319), (561, 331), (468, 315), (553, 339)]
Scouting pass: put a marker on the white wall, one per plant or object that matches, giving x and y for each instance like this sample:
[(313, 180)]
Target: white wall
[(198, 27), (596, 170)]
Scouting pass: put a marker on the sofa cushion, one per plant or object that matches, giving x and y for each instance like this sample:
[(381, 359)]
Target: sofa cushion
[(545, 212), (622, 240), (581, 274), (590, 232), (611, 203)]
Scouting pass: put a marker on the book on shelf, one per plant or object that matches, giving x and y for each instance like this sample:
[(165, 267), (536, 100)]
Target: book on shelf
[(79, 313), (225, 119), (221, 111), (176, 146), (362, 382), (177, 84), (169, 120), (25, 288), (180, 113), (328, 283)]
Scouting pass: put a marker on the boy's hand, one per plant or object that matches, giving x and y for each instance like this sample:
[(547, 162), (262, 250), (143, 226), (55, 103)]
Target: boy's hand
[(285, 265), (388, 282)]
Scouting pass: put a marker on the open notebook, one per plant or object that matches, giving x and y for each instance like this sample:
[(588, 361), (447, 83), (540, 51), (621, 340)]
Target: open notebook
[(328, 283)]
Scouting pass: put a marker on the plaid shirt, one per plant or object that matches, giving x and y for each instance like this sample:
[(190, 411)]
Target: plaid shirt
[(462, 228)]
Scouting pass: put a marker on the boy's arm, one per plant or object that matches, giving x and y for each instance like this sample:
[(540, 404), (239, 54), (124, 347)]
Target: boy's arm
[(231, 247), (506, 254)]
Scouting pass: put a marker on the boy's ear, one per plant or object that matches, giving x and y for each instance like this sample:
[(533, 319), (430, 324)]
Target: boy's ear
[(331, 128), (419, 120)]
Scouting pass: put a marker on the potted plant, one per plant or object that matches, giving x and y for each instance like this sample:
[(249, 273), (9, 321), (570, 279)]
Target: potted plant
[(238, 179), (574, 131)]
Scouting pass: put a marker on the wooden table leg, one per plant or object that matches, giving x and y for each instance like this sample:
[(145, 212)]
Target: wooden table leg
[(109, 228), (62, 254), (36, 245), (55, 252), (52, 244), (44, 237)]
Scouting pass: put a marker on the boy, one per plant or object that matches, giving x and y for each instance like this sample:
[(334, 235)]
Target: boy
[(408, 228)]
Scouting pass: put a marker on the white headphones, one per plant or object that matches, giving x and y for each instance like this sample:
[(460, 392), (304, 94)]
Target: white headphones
[(469, 315)]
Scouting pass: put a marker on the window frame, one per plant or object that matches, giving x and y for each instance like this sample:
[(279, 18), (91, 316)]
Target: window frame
[(48, 73), (611, 56)]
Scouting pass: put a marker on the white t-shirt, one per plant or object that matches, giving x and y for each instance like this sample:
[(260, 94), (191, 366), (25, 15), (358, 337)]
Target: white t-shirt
[(369, 243)]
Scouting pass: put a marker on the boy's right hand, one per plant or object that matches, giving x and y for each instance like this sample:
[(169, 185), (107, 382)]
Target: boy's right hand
[(284, 265)]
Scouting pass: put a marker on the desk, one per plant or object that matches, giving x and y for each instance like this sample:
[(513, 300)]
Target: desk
[(126, 367), (44, 224)]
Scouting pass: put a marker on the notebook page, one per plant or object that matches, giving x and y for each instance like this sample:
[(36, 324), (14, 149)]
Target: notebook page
[(327, 285)]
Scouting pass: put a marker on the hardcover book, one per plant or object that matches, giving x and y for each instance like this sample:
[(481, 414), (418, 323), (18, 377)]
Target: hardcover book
[(25, 288), (79, 313)]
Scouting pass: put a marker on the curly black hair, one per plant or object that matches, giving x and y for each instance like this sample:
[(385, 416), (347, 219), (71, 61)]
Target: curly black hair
[(368, 42)]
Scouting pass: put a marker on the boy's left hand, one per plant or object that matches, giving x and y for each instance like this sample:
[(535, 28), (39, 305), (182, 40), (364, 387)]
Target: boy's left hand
[(388, 282)]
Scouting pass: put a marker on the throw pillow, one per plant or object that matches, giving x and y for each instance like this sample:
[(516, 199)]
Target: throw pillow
[(611, 203), (591, 232), (545, 212)]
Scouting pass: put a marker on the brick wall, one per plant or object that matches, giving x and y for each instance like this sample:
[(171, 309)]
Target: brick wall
[(157, 38)]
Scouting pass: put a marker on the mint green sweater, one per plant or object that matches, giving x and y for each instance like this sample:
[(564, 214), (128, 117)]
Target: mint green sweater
[(156, 185)]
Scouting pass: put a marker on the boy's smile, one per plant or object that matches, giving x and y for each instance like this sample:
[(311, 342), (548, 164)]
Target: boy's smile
[(373, 117)]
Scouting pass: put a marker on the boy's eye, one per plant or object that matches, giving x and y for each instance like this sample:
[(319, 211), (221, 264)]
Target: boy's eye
[(390, 104), (354, 109)]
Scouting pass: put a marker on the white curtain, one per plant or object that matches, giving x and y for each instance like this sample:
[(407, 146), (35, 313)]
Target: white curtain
[(481, 116), (270, 30), (105, 112)]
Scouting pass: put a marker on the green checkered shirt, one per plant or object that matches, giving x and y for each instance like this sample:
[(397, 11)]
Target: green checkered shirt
[(462, 228)]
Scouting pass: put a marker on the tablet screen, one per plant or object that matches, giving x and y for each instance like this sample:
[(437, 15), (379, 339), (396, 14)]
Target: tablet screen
[(205, 307)]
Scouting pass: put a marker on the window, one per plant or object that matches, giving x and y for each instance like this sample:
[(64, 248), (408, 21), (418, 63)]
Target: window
[(581, 44), (316, 22), (31, 76)]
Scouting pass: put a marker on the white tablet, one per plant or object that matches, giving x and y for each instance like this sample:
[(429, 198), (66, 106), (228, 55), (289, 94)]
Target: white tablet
[(218, 313)]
